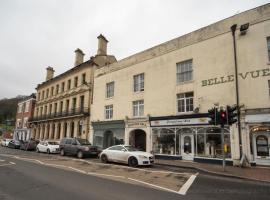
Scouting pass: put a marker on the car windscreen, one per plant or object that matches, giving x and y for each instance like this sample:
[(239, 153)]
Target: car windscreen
[(131, 148), (53, 143), (83, 142)]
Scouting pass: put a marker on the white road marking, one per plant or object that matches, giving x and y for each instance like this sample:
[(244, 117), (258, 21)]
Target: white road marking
[(10, 163), (98, 174), (2, 160), (78, 170), (183, 190), (156, 186), (13, 163)]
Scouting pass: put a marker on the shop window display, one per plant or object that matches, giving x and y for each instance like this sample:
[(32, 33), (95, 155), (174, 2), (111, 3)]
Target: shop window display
[(164, 141)]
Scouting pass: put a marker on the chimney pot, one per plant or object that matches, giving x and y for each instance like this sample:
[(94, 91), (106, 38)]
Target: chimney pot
[(102, 45), (78, 57), (50, 73)]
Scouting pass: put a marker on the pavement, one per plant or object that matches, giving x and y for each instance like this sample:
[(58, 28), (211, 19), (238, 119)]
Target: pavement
[(257, 173)]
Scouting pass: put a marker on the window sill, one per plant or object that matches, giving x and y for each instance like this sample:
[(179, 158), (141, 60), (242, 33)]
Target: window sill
[(138, 92), (185, 82), (109, 98), (184, 113)]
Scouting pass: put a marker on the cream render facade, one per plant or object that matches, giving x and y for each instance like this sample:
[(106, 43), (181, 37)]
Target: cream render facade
[(63, 102), (207, 56)]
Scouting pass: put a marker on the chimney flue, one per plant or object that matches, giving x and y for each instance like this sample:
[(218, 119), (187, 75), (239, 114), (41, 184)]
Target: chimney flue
[(102, 45), (78, 57), (50, 73)]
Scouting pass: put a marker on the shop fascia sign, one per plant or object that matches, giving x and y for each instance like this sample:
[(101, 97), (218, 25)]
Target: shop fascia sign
[(230, 78), (187, 121)]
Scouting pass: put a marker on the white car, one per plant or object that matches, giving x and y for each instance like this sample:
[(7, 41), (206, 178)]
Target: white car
[(4, 142), (48, 147), (126, 154)]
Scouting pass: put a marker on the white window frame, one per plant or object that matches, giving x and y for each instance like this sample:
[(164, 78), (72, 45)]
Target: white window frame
[(138, 82), (25, 121), (138, 108), (187, 102), (110, 89), (184, 71), (27, 105), (108, 111)]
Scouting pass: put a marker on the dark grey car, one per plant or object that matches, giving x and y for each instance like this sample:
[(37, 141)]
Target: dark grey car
[(77, 146)]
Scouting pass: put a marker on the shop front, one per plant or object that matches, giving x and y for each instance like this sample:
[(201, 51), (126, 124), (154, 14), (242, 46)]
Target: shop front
[(188, 138), (108, 133), (259, 135)]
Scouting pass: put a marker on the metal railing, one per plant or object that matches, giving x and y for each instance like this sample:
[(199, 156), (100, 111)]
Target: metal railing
[(66, 113)]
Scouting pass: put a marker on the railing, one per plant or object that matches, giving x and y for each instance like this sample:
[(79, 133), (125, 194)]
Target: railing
[(69, 113)]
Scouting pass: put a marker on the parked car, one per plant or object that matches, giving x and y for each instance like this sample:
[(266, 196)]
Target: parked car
[(15, 144), (4, 142), (48, 147), (28, 145), (78, 147), (126, 154)]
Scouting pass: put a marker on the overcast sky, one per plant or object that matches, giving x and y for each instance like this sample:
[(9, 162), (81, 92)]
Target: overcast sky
[(35, 34)]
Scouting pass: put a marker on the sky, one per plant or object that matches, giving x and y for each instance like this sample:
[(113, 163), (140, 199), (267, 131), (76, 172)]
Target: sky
[(35, 34)]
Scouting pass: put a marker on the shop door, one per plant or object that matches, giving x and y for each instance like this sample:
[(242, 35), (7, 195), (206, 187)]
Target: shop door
[(262, 148), (187, 146)]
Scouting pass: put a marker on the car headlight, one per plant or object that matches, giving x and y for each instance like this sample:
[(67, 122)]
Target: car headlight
[(141, 156), (86, 148)]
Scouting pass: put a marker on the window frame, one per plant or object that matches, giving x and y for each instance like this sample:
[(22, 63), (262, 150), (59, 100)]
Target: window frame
[(108, 111), (184, 71), (185, 102), (110, 93), (138, 108), (138, 82)]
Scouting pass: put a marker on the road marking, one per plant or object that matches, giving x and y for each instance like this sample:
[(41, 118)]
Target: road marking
[(183, 190), (156, 186), (2, 160), (78, 170), (98, 174), (10, 163), (13, 163)]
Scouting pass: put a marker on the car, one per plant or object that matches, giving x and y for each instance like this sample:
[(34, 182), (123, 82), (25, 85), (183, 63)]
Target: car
[(15, 144), (79, 147), (4, 142), (48, 147), (126, 154), (28, 145)]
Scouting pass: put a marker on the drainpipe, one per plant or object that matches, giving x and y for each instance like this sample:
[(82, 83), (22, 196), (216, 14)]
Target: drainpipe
[(233, 29)]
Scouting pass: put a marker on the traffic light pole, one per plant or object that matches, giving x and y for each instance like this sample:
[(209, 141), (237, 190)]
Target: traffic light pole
[(222, 147)]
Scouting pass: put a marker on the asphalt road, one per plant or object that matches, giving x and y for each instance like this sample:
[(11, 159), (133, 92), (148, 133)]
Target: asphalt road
[(26, 180)]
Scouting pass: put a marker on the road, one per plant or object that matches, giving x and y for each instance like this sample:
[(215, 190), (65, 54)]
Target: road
[(21, 179)]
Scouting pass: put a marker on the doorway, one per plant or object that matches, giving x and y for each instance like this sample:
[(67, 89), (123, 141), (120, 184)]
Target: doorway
[(108, 139), (187, 146), (137, 139)]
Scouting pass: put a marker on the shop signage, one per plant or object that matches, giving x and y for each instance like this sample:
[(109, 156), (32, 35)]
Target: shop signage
[(257, 118), (230, 78), (188, 121), (136, 124)]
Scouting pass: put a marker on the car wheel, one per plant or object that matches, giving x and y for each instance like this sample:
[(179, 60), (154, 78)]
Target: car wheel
[(48, 151), (132, 162), (104, 158), (62, 152), (37, 150), (80, 154)]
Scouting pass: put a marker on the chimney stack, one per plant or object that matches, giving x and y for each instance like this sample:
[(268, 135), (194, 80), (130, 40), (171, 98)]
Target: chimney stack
[(102, 45), (50, 72), (78, 57)]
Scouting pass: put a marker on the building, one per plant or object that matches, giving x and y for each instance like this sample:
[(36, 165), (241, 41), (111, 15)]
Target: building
[(63, 102), (158, 99), (25, 111)]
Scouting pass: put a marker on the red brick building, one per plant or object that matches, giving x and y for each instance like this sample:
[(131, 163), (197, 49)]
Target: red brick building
[(25, 111)]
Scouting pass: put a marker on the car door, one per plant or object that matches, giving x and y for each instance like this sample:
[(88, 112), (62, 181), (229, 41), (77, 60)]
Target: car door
[(119, 154), (68, 146), (73, 146)]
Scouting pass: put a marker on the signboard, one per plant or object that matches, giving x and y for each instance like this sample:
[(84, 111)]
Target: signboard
[(188, 121), (257, 118)]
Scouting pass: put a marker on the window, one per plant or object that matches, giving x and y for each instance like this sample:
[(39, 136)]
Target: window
[(109, 112), (47, 93), (138, 108), (38, 96), (69, 84), (268, 47), (27, 106), (57, 89), (19, 108), (184, 71), (83, 78), (76, 81), (43, 93), (52, 91), (138, 82), (63, 87), (55, 108), (110, 90), (185, 102)]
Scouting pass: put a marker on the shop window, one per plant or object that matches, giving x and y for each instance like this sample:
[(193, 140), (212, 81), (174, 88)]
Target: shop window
[(164, 141), (138, 81), (184, 71), (110, 90), (185, 102), (262, 145), (138, 108)]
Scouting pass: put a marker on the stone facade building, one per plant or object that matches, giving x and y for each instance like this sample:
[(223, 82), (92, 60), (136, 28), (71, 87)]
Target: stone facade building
[(63, 102), (158, 99), (25, 111)]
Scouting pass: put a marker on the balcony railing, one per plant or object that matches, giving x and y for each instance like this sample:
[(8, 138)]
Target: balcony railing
[(68, 113)]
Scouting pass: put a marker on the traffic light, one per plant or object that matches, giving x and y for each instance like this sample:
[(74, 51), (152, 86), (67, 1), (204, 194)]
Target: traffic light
[(232, 113), (223, 117), (212, 113)]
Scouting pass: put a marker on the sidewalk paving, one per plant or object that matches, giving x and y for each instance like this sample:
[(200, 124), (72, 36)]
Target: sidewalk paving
[(253, 173)]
